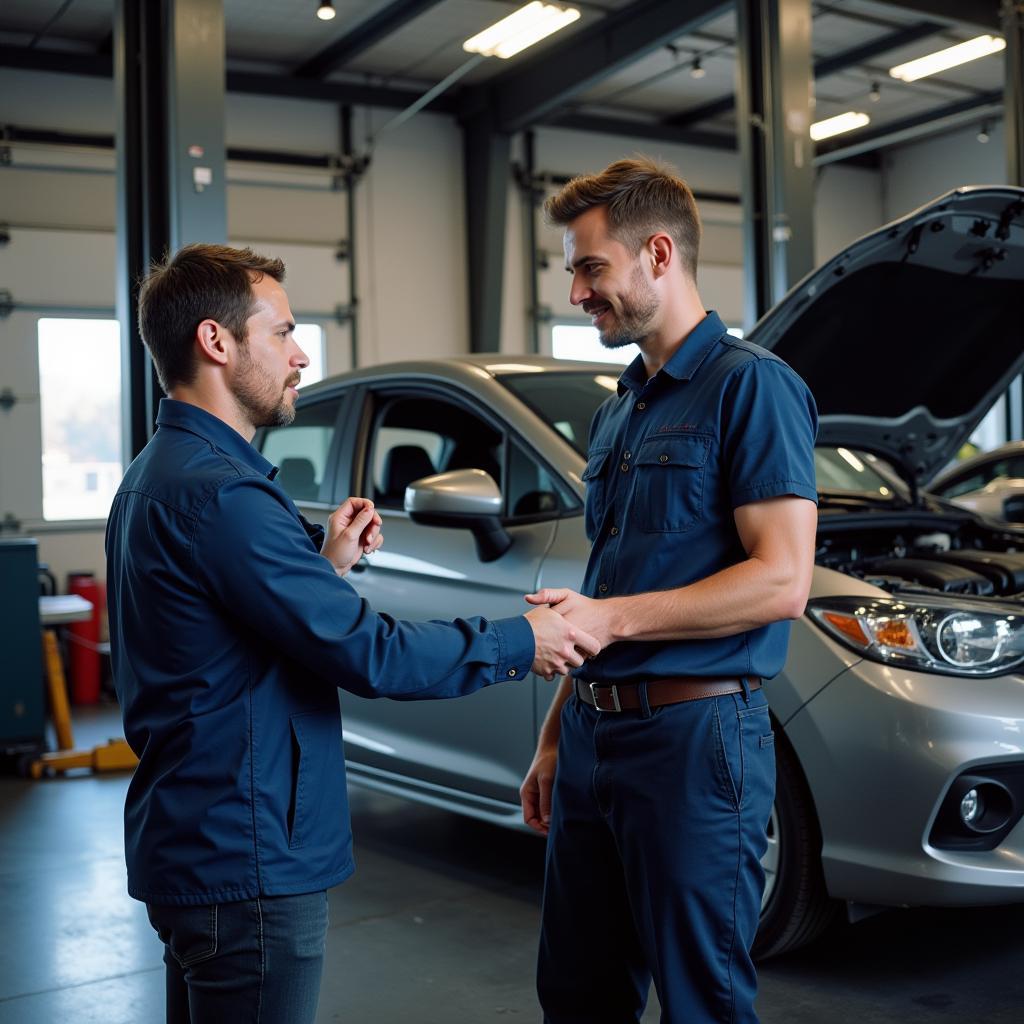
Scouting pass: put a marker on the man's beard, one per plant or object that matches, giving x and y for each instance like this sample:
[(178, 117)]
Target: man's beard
[(259, 396), (634, 318)]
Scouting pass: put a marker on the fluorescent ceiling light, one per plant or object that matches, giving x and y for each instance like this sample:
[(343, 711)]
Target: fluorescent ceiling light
[(837, 125), (521, 29), (942, 60)]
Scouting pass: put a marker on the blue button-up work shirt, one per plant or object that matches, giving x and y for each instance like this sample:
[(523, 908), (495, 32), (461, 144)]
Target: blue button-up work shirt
[(722, 424), (229, 635)]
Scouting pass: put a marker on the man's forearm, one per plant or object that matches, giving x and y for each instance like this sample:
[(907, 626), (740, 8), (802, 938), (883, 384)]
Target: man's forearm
[(739, 598), (552, 728)]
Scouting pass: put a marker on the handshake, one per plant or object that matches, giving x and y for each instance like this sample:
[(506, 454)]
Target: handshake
[(567, 627)]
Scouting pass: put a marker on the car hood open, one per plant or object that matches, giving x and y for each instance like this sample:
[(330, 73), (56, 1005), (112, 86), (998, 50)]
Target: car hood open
[(908, 336)]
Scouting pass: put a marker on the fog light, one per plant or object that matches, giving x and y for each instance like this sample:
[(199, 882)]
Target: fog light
[(971, 807), (986, 805)]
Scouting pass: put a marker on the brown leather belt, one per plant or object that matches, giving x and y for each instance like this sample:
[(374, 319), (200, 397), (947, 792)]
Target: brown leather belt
[(626, 696)]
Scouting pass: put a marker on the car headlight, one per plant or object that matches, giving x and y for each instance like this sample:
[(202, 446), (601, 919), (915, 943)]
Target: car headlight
[(930, 635)]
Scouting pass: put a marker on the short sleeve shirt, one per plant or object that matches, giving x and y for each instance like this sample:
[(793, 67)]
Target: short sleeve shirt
[(724, 423)]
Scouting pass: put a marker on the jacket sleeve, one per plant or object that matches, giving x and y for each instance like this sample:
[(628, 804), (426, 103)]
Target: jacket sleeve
[(257, 561)]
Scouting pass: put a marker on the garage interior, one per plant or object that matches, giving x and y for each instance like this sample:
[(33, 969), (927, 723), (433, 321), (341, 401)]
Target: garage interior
[(401, 179)]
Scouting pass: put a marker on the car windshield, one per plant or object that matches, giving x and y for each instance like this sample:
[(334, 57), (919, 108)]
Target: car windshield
[(567, 400)]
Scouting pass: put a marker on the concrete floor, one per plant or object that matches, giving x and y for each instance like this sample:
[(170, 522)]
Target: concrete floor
[(438, 926)]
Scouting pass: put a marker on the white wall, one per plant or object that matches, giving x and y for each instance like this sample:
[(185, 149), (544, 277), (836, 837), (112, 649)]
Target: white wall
[(915, 173)]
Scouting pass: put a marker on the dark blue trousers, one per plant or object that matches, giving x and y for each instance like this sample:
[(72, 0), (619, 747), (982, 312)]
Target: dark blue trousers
[(252, 962), (653, 862)]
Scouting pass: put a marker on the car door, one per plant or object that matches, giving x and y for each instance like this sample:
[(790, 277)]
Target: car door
[(471, 749)]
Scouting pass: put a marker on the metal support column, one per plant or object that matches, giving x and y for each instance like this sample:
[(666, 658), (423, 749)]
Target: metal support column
[(532, 196), (1012, 12), (487, 174), (352, 170), (169, 84), (773, 100)]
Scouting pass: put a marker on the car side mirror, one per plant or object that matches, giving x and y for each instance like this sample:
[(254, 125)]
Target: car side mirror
[(466, 499)]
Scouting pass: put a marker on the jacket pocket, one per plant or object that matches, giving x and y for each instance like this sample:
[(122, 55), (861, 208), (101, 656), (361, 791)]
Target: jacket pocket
[(669, 495), (597, 485), (317, 768)]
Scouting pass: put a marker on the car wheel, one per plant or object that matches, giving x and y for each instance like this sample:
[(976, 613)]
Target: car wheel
[(796, 907)]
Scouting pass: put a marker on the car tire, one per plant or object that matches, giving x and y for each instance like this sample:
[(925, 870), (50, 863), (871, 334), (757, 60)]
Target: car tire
[(797, 907)]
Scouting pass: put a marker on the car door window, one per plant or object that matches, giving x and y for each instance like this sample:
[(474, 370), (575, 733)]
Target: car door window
[(531, 489), (417, 436), (302, 451)]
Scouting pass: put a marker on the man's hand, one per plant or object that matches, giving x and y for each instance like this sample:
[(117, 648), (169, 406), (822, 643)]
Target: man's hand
[(594, 617), (535, 792), (353, 530), (560, 645)]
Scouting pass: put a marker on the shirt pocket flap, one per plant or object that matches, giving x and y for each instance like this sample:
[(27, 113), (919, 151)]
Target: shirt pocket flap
[(674, 451), (595, 463)]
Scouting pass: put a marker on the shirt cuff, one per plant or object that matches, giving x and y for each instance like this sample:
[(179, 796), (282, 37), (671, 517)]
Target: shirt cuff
[(516, 648), (774, 489)]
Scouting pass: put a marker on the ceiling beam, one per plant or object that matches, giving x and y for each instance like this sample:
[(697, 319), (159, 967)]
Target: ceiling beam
[(982, 13), (930, 122), (366, 34), (822, 67), (101, 66), (657, 131), (527, 93)]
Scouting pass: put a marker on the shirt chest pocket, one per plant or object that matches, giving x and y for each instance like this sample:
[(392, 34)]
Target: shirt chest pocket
[(669, 494), (595, 478)]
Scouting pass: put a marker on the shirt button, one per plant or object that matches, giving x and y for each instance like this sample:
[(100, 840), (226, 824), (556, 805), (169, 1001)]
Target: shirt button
[(603, 588), (624, 467), (615, 531), (641, 406), (627, 455), (663, 458), (513, 672)]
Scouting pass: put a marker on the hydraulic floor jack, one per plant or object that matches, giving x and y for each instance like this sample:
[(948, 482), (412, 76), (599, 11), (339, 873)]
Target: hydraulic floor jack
[(112, 756)]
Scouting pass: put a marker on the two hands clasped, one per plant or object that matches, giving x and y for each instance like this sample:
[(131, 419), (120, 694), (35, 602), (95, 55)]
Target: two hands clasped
[(567, 627)]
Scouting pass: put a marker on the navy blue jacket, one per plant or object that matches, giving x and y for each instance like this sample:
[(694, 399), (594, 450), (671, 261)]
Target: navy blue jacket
[(229, 635)]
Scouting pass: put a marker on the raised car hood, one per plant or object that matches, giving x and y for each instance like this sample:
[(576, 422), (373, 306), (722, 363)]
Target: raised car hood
[(908, 336)]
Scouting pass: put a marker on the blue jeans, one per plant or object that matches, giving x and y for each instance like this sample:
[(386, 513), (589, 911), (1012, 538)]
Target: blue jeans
[(253, 962), (653, 862)]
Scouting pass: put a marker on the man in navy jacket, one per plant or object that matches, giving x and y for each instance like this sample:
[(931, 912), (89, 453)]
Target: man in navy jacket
[(231, 626)]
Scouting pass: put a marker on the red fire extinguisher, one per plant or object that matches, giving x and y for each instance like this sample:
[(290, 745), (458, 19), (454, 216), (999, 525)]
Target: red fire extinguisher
[(83, 642)]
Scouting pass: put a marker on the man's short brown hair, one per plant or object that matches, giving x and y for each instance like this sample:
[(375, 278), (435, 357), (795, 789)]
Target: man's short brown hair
[(199, 282), (642, 197)]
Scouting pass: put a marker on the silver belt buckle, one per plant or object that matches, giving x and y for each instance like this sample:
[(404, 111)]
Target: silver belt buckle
[(617, 706)]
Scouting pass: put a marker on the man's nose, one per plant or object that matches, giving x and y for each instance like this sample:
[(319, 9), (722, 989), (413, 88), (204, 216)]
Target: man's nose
[(578, 292), (300, 358)]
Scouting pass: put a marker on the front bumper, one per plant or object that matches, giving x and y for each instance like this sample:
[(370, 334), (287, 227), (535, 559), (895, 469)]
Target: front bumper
[(880, 747)]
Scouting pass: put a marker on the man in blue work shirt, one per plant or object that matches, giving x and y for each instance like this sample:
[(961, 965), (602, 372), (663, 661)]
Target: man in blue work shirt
[(231, 627), (701, 508)]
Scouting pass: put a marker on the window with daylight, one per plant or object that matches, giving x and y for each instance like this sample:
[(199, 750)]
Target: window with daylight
[(310, 338), (80, 401), (579, 341)]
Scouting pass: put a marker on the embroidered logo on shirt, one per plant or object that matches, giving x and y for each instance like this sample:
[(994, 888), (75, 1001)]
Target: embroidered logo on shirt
[(677, 426)]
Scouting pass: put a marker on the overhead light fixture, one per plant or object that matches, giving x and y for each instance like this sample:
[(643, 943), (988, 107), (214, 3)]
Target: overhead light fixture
[(521, 29), (838, 124), (943, 60), (983, 132), (876, 92), (697, 68), (326, 10)]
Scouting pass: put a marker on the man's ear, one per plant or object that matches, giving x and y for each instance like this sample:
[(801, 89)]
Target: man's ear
[(213, 339), (661, 251)]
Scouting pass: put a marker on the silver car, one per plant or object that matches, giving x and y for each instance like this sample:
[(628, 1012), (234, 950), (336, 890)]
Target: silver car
[(991, 483), (900, 712)]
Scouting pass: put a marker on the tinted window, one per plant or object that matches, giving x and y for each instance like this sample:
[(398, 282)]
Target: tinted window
[(414, 437), (567, 401), (301, 451), (531, 489), (839, 469)]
